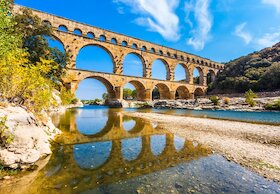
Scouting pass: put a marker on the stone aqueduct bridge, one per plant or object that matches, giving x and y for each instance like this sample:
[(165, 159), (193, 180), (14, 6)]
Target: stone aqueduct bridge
[(118, 47)]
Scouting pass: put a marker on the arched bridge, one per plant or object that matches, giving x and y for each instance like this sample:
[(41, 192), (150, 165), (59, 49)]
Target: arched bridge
[(77, 35)]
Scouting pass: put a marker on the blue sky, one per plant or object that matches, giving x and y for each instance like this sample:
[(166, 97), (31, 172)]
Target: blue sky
[(220, 30)]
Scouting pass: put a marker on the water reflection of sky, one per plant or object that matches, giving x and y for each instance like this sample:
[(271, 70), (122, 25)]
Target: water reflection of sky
[(131, 148), (92, 155), (90, 121)]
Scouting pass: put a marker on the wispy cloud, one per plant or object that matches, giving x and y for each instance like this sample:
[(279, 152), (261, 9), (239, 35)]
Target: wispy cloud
[(202, 24), (275, 3), (244, 35), (268, 39), (157, 16)]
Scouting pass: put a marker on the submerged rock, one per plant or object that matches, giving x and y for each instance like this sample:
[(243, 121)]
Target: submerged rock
[(31, 138)]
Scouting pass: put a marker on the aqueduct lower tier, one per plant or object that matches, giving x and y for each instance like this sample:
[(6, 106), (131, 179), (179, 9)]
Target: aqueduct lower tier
[(76, 36)]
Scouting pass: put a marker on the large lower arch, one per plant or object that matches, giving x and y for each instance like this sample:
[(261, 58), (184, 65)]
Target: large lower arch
[(108, 85), (140, 89), (164, 91), (182, 92), (199, 92), (158, 67), (134, 65), (95, 57)]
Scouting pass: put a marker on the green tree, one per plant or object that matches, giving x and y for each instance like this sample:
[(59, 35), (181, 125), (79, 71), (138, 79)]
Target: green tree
[(127, 93), (105, 96)]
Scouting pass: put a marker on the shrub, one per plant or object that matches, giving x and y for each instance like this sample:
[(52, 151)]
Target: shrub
[(4, 138), (214, 100), (226, 100), (275, 106), (66, 97), (250, 95)]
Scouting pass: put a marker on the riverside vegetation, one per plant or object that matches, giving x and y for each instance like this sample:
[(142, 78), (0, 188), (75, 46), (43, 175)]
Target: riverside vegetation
[(30, 72)]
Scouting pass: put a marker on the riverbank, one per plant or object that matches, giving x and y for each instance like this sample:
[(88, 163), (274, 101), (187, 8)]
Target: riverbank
[(254, 146)]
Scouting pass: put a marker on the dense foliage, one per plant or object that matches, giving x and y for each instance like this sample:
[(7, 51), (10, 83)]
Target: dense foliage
[(129, 94), (29, 68), (259, 71), (274, 106)]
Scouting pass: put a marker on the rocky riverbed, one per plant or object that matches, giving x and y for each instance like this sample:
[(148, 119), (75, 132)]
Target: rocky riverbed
[(254, 146)]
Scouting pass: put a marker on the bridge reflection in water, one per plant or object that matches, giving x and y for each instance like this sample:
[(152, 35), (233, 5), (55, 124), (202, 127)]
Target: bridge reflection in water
[(91, 155)]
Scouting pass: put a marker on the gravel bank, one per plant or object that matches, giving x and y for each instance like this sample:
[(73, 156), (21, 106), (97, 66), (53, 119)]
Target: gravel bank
[(254, 146)]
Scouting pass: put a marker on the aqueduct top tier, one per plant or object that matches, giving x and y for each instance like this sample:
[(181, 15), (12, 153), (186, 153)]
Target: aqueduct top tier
[(118, 47)]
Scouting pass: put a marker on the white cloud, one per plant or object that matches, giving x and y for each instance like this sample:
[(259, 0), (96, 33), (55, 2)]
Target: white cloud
[(240, 32), (203, 22), (159, 16), (268, 39), (275, 3)]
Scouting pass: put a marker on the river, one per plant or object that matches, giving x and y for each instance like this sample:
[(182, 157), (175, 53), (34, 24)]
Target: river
[(103, 151)]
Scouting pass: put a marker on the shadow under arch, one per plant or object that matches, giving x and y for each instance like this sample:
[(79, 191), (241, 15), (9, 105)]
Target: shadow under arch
[(164, 91), (140, 89), (167, 68), (140, 57), (95, 45), (198, 92), (210, 76), (182, 92)]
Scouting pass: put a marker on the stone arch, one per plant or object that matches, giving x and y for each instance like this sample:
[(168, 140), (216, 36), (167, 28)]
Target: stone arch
[(200, 78), (187, 72), (134, 46), (103, 48), (198, 92), (124, 43), (78, 32), (102, 38), (153, 50), (90, 35), (47, 23), (182, 92), (140, 89), (62, 28), (114, 41), (141, 59), (167, 68), (144, 48), (164, 91), (210, 76)]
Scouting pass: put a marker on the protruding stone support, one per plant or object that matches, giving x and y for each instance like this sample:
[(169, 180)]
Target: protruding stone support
[(148, 95), (118, 93), (148, 72), (172, 95)]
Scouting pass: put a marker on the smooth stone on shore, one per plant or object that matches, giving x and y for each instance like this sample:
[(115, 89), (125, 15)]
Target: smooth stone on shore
[(30, 138)]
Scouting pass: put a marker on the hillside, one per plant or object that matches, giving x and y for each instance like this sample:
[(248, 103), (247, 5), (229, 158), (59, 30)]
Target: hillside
[(259, 71)]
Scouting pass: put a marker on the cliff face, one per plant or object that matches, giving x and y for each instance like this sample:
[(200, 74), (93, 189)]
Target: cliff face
[(259, 71)]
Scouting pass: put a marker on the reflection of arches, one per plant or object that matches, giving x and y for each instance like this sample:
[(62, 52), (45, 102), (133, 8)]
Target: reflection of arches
[(199, 78), (134, 65), (97, 153), (164, 91), (210, 76), (157, 67), (198, 92), (178, 75), (95, 54), (179, 143), (158, 144), (140, 89), (182, 92), (131, 148), (138, 126)]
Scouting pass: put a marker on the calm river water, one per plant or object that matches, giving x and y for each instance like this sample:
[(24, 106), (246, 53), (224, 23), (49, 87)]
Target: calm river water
[(103, 151)]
